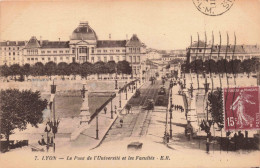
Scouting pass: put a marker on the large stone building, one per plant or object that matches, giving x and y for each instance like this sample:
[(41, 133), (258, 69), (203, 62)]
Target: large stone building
[(83, 46), (198, 50)]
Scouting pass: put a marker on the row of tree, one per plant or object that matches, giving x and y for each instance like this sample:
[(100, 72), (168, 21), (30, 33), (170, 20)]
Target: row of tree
[(63, 69), (221, 66)]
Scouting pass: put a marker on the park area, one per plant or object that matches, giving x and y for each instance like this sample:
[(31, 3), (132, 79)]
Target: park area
[(68, 101)]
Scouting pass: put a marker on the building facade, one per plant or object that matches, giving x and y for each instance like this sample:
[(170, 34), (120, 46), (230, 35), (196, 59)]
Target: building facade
[(83, 46), (200, 50)]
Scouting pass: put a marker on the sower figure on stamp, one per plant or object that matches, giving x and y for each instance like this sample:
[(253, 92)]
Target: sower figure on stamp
[(239, 106)]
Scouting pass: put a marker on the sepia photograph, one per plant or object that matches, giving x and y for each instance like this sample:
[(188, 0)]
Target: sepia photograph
[(129, 83)]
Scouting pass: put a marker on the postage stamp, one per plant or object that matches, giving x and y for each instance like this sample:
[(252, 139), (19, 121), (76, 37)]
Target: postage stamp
[(241, 108), (213, 7)]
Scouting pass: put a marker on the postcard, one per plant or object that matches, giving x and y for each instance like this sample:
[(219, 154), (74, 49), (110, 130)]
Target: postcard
[(122, 83)]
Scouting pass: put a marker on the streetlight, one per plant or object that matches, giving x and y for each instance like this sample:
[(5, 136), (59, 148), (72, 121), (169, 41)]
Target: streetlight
[(97, 127), (170, 122), (116, 80), (184, 76), (120, 97), (111, 108), (126, 90)]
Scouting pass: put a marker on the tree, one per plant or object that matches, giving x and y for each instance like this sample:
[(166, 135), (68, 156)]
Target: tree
[(216, 107), (210, 66), (222, 66), (26, 69), (111, 67), (19, 108), (74, 69), (62, 69), (5, 71), (15, 69), (124, 67), (86, 69), (99, 68), (50, 68), (235, 66), (38, 69), (197, 66)]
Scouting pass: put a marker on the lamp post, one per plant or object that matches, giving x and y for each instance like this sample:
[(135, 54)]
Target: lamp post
[(116, 87), (120, 97), (132, 88), (97, 127), (170, 122), (111, 108), (184, 77), (126, 90)]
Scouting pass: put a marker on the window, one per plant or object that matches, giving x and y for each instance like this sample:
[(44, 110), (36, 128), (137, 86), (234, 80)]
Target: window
[(130, 49), (32, 59), (134, 59), (104, 50), (67, 58), (92, 59), (117, 50), (9, 53), (54, 51), (73, 51), (61, 51), (9, 48), (105, 59), (17, 48), (13, 58), (111, 50), (55, 58), (49, 58), (92, 50), (28, 59), (13, 53), (48, 51), (99, 51), (61, 58), (36, 59), (111, 58), (99, 59), (43, 52), (42, 59), (67, 51), (82, 50)]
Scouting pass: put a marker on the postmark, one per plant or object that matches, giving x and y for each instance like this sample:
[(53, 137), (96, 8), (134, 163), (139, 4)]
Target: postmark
[(213, 7), (241, 108)]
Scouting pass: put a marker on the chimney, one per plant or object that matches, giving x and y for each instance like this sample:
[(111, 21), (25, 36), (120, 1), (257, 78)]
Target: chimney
[(109, 36), (40, 40)]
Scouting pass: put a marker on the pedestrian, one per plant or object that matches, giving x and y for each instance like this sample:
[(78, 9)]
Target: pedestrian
[(115, 109), (105, 110), (121, 122)]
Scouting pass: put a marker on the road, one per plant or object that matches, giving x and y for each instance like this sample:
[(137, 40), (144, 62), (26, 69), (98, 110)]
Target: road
[(137, 122)]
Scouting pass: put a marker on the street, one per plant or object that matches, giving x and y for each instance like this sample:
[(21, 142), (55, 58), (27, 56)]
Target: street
[(136, 123)]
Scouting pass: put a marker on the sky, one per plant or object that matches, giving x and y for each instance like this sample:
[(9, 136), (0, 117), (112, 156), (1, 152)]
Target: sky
[(160, 24)]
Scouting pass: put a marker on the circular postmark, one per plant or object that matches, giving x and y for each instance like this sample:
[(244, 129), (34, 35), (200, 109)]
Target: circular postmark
[(213, 7)]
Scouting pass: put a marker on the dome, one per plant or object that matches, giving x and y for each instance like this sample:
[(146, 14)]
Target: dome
[(83, 32)]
